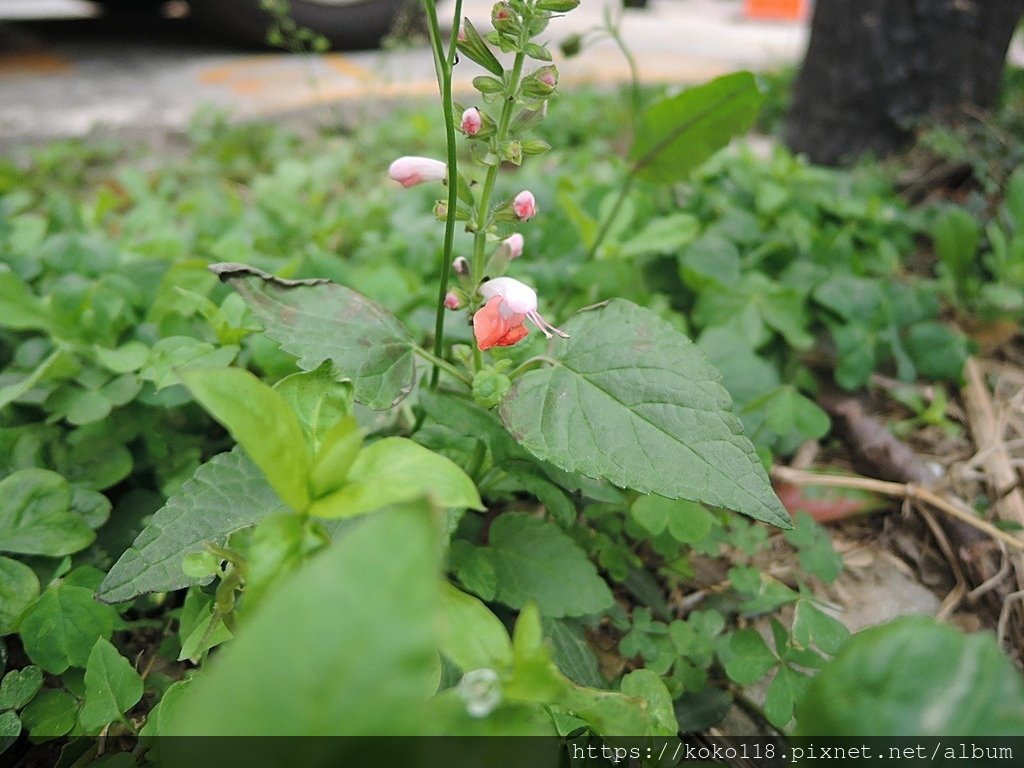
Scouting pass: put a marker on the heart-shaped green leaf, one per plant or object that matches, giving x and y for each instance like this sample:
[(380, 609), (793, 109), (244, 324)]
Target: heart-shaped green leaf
[(631, 400)]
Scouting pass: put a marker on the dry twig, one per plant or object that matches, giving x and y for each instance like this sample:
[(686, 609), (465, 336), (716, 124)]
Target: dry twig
[(898, 491)]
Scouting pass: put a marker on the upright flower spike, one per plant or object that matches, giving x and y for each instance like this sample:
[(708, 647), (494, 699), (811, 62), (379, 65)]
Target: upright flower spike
[(524, 205), (500, 322), (472, 121), (410, 171)]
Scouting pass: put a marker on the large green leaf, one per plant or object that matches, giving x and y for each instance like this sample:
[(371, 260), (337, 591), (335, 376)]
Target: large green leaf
[(226, 494), (351, 636), (535, 561), (35, 517), (395, 470), (316, 320), (679, 133), (19, 588), (572, 654), (318, 399), (60, 629), (914, 677), (471, 636), (20, 308), (112, 687), (19, 686), (263, 423), (632, 400)]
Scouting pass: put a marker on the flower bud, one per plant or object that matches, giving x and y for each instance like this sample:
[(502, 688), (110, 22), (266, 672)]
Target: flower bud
[(572, 45), (541, 83), (515, 245), (524, 205), (441, 210), (460, 266), (452, 301), (472, 122), (511, 152), (410, 171), (502, 17)]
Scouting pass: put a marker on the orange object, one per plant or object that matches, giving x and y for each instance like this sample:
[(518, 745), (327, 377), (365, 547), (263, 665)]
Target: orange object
[(779, 10)]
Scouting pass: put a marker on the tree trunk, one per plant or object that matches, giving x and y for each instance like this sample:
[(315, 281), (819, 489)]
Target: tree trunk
[(874, 66)]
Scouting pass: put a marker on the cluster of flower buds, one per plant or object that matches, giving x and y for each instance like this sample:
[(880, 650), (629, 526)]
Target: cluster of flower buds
[(511, 102)]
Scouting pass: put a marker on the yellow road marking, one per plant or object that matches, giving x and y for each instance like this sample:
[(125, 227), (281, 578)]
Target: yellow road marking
[(32, 63)]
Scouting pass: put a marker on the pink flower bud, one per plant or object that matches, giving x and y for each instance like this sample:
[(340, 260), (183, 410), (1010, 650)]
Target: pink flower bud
[(410, 171), (548, 77), (524, 205), (462, 35), (461, 266), (472, 122), (440, 210), (515, 245), (452, 301), (501, 12)]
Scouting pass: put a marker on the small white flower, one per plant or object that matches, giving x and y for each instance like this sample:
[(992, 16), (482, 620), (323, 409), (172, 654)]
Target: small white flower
[(481, 690)]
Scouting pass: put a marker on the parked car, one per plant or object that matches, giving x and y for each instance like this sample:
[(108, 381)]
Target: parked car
[(345, 23)]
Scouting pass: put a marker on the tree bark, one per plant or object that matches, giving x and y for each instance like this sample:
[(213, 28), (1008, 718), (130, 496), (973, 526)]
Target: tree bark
[(873, 67)]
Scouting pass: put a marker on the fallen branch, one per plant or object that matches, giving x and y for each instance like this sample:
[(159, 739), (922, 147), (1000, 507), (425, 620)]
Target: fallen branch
[(899, 491)]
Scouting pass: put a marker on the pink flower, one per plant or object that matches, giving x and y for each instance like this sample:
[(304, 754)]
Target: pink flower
[(452, 301), (472, 122), (515, 245), (524, 205), (500, 322), (410, 171)]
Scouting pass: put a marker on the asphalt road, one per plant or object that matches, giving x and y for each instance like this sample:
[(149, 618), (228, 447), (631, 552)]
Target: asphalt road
[(74, 74)]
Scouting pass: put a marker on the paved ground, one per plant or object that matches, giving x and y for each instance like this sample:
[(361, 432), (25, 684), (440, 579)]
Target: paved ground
[(72, 75)]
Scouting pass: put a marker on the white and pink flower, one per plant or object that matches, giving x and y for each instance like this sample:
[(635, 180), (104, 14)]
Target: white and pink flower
[(524, 205), (500, 322), (472, 121), (410, 171)]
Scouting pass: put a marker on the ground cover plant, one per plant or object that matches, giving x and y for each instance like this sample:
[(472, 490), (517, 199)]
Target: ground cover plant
[(307, 445)]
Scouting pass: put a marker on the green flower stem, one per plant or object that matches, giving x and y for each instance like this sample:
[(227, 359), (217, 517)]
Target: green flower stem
[(440, 363), (606, 225), (529, 365), (444, 61), (483, 209)]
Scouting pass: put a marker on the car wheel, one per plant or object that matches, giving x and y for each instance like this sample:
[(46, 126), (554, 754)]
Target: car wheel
[(345, 23)]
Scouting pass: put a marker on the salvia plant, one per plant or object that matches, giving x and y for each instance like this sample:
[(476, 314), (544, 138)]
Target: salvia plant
[(425, 533)]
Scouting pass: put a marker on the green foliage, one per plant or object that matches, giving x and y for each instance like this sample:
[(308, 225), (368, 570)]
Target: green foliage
[(335, 558), (36, 518), (396, 470), (324, 321), (534, 560), (381, 591), (60, 629), (678, 134), (263, 423), (227, 494), (981, 267), (658, 399), (914, 677), (112, 687)]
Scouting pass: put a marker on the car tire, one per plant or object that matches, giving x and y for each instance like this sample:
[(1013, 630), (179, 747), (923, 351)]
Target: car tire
[(346, 26)]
